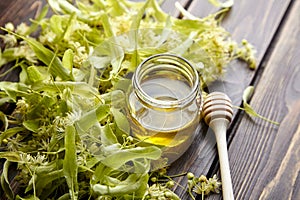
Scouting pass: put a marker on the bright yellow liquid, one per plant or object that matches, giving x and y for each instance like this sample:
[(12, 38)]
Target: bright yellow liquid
[(164, 127)]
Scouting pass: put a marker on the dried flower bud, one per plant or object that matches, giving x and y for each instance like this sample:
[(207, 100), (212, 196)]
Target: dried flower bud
[(190, 175), (170, 184), (9, 26), (202, 178), (153, 179)]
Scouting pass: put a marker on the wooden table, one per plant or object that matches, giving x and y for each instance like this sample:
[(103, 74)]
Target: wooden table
[(264, 158)]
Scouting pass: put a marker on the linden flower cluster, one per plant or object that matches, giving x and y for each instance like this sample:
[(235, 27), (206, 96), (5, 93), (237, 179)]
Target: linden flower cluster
[(201, 185), (70, 139), (21, 50)]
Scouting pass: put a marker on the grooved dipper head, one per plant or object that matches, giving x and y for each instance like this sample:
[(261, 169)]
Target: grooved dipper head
[(217, 105)]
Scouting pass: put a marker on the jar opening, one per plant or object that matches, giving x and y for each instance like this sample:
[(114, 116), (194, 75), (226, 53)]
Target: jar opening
[(166, 81)]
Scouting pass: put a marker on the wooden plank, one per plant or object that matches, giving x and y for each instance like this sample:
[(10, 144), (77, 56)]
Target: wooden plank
[(169, 6), (18, 11), (266, 158), (3, 6), (244, 21)]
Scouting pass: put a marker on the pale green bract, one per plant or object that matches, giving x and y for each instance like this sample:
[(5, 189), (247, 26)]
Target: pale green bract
[(247, 94), (68, 132)]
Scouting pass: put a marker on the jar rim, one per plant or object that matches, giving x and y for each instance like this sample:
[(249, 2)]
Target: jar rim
[(145, 97)]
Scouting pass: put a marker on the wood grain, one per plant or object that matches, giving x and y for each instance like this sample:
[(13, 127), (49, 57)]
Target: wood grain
[(266, 158), (243, 21), (18, 11), (169, 6)]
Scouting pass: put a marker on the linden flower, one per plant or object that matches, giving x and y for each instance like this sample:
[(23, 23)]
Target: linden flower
[(72, 117), (59, 124), (10, 26), (49, 37), (120, 24), (202, 185), (214, 184), (157, 191), (247, 52), (22, 29), (81, 26), (9, 40), (22, 107), (35, 160), (80, 54), (24, 51)]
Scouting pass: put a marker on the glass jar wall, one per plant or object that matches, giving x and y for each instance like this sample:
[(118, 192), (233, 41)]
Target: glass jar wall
[(164, 104)]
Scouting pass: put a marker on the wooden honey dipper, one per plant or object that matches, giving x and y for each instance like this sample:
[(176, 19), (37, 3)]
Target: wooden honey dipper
[(217, 113)]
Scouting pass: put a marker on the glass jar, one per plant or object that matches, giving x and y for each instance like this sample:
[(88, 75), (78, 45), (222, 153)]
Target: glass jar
[(164, 104)]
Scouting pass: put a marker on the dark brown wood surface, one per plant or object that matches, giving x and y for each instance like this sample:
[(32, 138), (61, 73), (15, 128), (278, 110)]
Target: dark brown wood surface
[(258, 22), (264, 158), (17, 11)]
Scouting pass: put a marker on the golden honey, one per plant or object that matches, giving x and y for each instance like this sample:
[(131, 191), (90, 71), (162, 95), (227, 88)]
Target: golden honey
[(164, 103)]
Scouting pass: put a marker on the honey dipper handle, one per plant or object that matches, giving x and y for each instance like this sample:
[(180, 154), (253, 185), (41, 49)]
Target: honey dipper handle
[(219, 126)]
